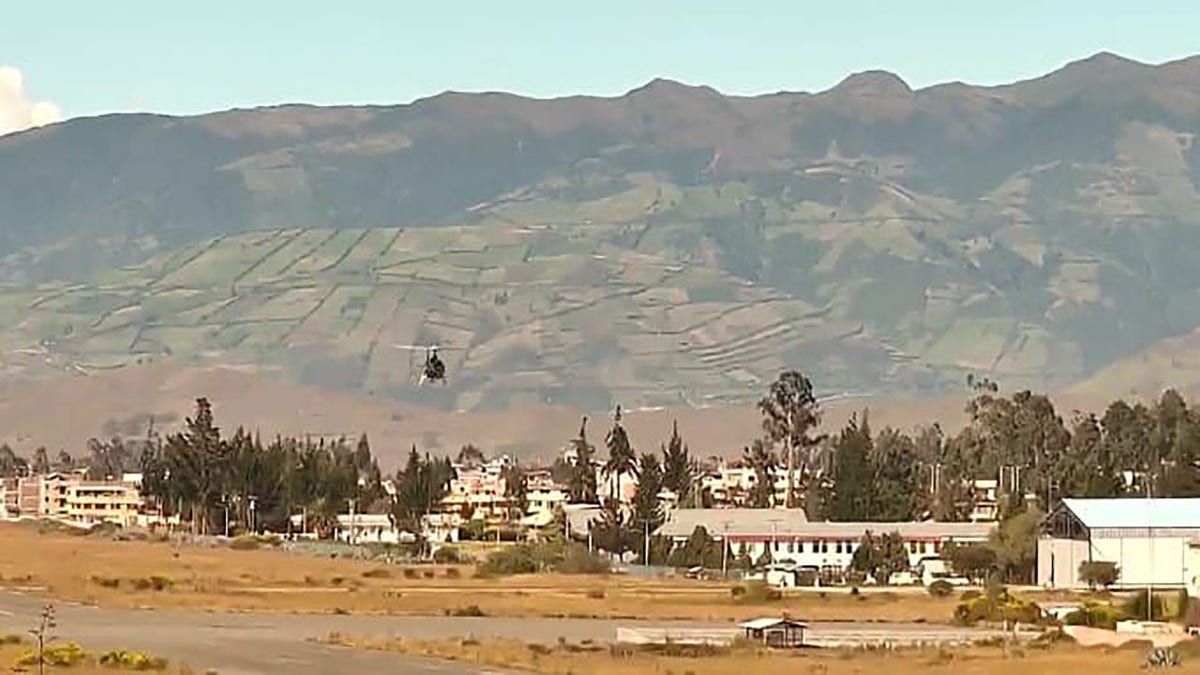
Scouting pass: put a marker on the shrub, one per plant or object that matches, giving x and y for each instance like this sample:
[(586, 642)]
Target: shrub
[(453, 573), (1135, 607), (106, 582), (410, 573), (941, 589), (578, 560), (447, 555), (244, 543), (427, 574), (755, 592), (1093, 615), (596, 594), (469, 610), (132, 661), (995, 607), (161, 582), (1098, 573), (63, 655), (377, 573), (11, 639), (969, 594)]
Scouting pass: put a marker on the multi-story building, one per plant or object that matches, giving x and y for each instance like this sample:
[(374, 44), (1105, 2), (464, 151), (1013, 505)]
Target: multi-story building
[(68, 497), (9, 498)]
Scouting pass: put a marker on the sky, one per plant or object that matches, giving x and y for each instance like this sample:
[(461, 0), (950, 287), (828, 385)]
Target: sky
[(83, 57)]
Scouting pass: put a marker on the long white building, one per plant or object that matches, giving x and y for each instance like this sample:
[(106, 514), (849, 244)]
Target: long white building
[(1152, 542), (789, 536)]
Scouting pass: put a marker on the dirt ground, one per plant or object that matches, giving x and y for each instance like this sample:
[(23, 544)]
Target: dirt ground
[(583, 659), (138, 574)]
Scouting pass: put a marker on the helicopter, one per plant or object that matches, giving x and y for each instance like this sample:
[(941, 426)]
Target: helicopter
[(434, 369)]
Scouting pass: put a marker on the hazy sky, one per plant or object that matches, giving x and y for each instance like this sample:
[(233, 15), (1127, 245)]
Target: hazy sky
[(185, 56)]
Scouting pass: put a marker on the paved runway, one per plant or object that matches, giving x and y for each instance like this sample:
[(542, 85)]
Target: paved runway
[(273, 644)]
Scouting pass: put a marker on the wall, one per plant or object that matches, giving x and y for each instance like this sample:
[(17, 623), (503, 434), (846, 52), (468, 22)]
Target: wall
[(1161, 561), (1058, 562)]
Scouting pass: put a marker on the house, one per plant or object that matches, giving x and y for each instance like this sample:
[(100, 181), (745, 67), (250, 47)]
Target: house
[(1153, 542), (787, 535), (369, 528), (68, 497), (772, 632)]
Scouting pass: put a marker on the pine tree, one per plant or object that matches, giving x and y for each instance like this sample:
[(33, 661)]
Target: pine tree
[(852, 471), (646, 506), (582, 486), (679, 470)]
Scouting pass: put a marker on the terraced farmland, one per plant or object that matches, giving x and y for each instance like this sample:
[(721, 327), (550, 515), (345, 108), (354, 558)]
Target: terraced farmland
[(519, 318)]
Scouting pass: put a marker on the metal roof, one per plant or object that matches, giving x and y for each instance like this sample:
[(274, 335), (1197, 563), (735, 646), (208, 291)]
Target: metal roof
[(1137, 512), (771, 622), (792, 523)]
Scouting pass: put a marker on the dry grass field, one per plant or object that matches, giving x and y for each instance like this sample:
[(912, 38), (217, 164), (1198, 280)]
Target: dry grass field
[(585, 659), (140, 574)]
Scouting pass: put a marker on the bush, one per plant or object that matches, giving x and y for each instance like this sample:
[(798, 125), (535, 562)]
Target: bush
[(578, 560), (453, 573), (596, 594), (1135, 607), (469, 610), (161, 582), (970, 594), (377, 573), (63, 655), (941, 589), (410, 573), (132, 661), (1098, 573), (11, 639), (995, 607), (1094, 615), (244, 543), (755, 592), (447, 555), (106, 582)]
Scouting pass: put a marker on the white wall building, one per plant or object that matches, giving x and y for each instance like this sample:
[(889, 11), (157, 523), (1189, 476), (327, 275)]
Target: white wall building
[(788, 535), (1152, 541)]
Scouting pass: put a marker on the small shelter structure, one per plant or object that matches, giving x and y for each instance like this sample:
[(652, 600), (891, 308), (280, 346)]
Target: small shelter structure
[(775, 632)]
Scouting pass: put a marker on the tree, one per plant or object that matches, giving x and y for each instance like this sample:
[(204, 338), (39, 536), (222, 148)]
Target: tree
[(41, 462), (582, 485), (880, 556), (621, 457), (895, 484), (679, 471), (647, 508), (11, 464), (790, 414), (973, 561), (516, 488), (1098, 573), (470, 456), (613, 531), (759, 458), (1093, 469), (700, 550), (1015, 544), (1128, 437), (852, 471), (1180, 473)]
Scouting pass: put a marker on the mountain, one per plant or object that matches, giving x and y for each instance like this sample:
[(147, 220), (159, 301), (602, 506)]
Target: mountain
[(672, 246)]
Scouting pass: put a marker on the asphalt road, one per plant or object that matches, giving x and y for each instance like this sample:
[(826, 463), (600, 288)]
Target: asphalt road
[(278, 644)]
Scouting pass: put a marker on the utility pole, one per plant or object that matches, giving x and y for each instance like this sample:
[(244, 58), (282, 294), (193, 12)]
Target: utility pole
[(725, 550)]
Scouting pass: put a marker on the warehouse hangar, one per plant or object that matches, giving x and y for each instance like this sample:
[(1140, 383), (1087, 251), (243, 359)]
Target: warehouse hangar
[(1153, 542)]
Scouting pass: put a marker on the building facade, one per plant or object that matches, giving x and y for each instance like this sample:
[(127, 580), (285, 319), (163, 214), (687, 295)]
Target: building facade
[(787, 535), (1153, 542)]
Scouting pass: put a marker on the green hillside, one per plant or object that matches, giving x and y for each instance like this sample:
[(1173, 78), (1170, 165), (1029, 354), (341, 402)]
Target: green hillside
[(670, 246)]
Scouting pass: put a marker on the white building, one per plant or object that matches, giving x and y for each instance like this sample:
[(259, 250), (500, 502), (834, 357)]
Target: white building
[(369, 528), (1152, 542), (788, 536)]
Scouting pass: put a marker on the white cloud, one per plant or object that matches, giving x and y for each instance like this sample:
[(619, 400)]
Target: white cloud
[(17, 111)]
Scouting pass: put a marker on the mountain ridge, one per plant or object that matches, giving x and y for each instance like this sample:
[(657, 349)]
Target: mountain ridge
[(588, 249)]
